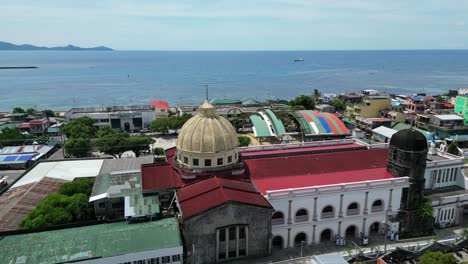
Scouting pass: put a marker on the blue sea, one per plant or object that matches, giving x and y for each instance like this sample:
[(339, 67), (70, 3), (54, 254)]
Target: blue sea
[(68, 79)]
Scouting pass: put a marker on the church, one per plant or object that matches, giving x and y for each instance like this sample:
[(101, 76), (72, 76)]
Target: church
[(234, 202)]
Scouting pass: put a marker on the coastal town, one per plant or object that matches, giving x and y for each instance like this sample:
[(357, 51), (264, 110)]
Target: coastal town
[(322, 178)]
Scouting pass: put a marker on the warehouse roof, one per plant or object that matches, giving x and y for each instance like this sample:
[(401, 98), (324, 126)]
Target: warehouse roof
[(97, 241)]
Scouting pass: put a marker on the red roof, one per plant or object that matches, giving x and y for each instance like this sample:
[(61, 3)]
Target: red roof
[(303, 150), (25, 125), (317, 169), (210, 193), (160, 104), (447, 105)]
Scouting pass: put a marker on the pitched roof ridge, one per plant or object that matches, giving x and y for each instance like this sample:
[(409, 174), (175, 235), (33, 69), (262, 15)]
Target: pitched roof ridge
[(218, 186)]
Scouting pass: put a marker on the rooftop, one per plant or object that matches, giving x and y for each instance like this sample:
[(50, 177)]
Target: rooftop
[(278, 173), (448, 117), (384, 131), (108, 109), (97, 241), (210, 193), (160, 104)]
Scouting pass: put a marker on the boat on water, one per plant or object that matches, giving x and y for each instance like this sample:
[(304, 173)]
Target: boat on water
[(299, 60)]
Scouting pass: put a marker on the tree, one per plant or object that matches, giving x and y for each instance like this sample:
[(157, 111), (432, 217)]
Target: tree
[(140, 143), (453, 148), (78, 147), (316, 95), (437, 257), (113, 143), (160, 125), (338, 104), (83, 123), (80, 185), (18, 110), (237, 123), (13, 137), (244, 141), (440, 98), (163, 125), (306, 101), (48, 113), (298, 107), (30, 111), (70, 204), (159, 151)]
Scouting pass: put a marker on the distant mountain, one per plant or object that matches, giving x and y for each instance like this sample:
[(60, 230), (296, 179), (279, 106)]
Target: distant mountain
[(9, 46)]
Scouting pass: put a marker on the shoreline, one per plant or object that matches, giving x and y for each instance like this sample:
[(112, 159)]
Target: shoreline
[(19, 67)]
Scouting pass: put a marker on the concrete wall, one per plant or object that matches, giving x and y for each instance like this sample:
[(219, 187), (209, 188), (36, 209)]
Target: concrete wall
[(200, 231)]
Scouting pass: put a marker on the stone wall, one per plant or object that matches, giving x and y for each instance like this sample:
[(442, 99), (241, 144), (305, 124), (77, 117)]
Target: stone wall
[(199, 232)]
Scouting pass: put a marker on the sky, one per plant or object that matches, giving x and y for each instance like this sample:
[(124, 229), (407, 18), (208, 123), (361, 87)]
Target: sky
[(237, 24)]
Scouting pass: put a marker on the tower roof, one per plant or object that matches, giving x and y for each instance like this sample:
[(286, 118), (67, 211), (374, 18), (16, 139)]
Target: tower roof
[(409, 139), (207, 133)]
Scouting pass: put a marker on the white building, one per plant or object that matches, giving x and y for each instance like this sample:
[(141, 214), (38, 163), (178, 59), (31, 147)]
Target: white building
[(446, 187), (128, 118)]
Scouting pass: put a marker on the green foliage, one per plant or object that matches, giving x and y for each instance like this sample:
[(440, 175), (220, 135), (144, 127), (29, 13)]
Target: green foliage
[(70, 204), (139, 144), (316, 95), (158, 151), (30, 111), (78, 147), (81, 185), (244, 141), (13, 137), (298, 107), (163, 125), (440, 98), (303, 100), (112, 142), (48, 113), (338, 104), (437, 257), (237, 123), (425, 210), (453, 148), (18, 110), (80, 128)]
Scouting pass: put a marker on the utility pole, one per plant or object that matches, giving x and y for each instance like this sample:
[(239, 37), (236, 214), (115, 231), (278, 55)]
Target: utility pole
[(206, 91)]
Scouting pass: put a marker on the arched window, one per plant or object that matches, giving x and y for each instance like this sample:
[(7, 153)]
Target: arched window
[(328, 212), (377, 206), (300, 238), (326, 235), (353, 209), (277, 218), (277, 242), (302, 215)]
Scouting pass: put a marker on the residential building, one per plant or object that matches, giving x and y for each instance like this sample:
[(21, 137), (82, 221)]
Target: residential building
[(461, 106), (325, 108), (368, 124), (161, 108), (22, 157), (383, 134), (372, 106), (415, 104), (37, 126), (150, 242)]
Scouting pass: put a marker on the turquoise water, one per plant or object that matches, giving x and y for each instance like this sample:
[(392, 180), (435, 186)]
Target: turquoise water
[(68, 79)]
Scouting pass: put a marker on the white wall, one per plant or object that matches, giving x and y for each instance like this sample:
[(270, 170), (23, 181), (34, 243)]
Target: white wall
[(333, 199)]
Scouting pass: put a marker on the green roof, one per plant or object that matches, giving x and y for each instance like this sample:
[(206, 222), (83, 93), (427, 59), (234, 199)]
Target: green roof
[(277, 124), (9, 125), (226, 101), (401, 126), (260, 126), (80, 243), (250, 102)]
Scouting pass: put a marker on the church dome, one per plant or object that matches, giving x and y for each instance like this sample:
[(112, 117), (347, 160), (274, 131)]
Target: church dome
[(409, 140), (207, 136)]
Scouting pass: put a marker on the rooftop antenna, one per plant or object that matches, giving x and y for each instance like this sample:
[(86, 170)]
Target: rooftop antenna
[(206, 91)]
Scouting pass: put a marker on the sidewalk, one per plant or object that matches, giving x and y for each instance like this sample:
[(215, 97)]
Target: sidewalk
[(375, 244)]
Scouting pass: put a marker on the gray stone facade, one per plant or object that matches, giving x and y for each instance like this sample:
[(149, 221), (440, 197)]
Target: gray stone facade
[(201, 232)]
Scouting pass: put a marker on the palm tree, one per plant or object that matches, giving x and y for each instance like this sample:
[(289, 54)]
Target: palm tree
[(316, 95)]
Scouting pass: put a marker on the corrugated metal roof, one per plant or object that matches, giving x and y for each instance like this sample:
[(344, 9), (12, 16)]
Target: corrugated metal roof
[(81, 243)]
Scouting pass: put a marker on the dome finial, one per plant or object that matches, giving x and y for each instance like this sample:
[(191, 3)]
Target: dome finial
[(207, 110)]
